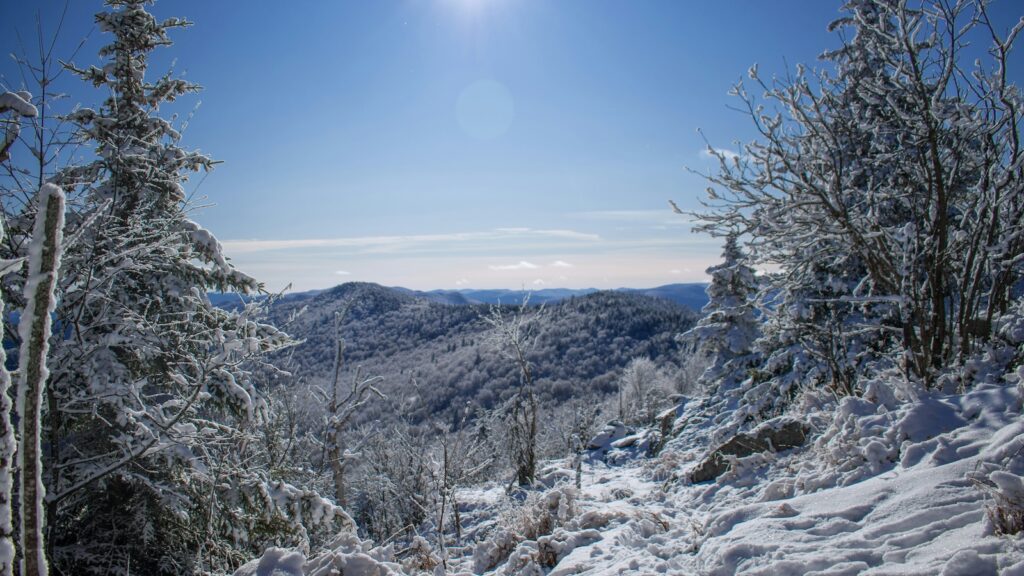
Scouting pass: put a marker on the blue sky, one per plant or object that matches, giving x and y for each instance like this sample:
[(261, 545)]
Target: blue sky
[(460, 143)]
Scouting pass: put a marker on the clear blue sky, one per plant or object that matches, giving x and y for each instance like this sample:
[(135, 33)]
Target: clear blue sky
[(461, 143)]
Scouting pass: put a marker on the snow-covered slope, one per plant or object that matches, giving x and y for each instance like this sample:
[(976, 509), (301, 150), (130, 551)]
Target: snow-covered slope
[(880, 490)]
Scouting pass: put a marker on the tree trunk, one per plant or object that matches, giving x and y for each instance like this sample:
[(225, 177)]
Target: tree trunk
[(44, 262), (7, 452)]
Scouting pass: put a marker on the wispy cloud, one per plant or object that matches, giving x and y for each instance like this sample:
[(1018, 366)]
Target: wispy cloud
[(521, 265), (633, 255), (377, 244)]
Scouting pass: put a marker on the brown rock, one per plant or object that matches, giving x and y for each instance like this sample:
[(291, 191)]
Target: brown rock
[(781, 434)]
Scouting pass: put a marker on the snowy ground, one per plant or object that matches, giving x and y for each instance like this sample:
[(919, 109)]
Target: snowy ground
[(882, 490)]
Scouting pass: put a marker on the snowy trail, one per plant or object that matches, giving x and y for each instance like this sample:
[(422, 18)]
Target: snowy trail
[(640, 536), (921, 515), (927, 521)]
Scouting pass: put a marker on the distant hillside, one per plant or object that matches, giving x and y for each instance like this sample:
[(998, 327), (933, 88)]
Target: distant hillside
[(436, 356), (691, 295)]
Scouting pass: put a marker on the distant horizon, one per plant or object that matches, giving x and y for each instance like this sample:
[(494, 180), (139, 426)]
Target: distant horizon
[(490, 259), (471, 289)]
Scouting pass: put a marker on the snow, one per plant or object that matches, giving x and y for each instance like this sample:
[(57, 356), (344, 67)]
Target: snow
[(8, 446), (901, 480), (18, 102), (346, 555), (905, 501)]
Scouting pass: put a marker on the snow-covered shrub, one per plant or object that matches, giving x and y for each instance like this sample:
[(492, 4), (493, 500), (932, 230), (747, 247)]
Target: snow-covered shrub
[(1006, 512), (420, 556), (346, 555), (520, 526), (541, 513), (494, 550), (393, 483), (1009, 330)]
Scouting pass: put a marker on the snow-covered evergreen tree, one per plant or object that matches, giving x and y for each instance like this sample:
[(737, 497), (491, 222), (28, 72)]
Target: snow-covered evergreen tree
[(729, 325), (152, 396)]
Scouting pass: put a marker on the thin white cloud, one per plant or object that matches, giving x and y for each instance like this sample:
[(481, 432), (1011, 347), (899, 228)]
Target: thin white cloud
[(377, 244), (539, 282), (560, 264), (342, 272), (570, 234), (461, 282), (521, 265), (675, 271)]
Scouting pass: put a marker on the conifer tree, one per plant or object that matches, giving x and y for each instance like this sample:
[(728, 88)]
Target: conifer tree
[(729, 326), (152, 398)]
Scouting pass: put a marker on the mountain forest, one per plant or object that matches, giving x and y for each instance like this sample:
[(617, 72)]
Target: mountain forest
[(843, 395)]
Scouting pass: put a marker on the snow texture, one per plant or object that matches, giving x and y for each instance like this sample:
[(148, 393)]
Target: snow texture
[(878, 491), (18, 102), (346, 555)]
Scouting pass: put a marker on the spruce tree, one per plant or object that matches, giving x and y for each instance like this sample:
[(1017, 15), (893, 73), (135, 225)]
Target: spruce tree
[(153, 401), (728, 328)]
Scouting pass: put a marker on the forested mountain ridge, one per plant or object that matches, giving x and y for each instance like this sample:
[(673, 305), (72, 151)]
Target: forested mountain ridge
[(441, 354), (691, 295)]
